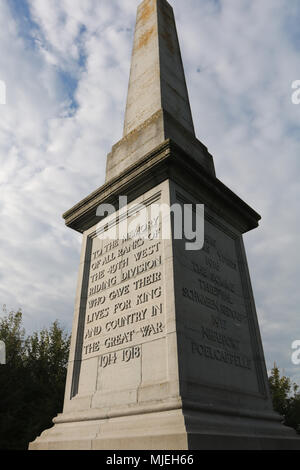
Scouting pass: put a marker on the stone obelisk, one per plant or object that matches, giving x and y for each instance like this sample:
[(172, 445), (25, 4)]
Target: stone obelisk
[(166, 351)]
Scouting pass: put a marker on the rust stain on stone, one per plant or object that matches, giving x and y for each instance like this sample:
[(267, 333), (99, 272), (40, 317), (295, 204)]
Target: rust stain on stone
[(168, 38), (166, 14), (147, 10), (145, 38)]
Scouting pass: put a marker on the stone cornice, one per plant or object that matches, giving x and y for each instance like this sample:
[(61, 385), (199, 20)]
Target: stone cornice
[(167, 161)]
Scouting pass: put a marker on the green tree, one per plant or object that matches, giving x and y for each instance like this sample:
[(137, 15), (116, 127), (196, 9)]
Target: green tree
[(32, 382), (286, 398), (13, 334)]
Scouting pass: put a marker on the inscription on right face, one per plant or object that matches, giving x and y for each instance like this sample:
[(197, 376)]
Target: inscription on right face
[(218, 334)]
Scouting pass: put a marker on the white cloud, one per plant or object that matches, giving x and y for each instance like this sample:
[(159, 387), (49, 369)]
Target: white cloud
[(240, 62), (51, 156), (241, 101)]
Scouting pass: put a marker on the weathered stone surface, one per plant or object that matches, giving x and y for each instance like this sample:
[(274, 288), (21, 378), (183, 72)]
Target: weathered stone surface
[(166, 350), (157, 79), (158, 106)]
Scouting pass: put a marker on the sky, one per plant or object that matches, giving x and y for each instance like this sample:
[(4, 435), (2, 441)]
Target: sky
[(65, 64)]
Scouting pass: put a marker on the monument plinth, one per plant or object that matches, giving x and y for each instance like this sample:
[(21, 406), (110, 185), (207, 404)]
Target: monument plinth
[(166, 350)]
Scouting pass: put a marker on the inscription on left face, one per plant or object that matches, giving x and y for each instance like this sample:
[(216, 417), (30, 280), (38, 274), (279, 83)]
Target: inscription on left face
[(125, 301)]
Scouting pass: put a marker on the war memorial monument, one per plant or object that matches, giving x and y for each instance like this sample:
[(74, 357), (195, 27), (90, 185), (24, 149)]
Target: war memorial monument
[(166, 351)]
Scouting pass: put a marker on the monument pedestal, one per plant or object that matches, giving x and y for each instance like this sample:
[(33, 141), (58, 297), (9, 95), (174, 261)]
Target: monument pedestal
[(171, 429), (174, 359), (168, 430)]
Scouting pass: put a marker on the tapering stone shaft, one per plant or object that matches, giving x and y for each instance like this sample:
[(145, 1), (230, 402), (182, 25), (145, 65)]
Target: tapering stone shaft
[(157, 80)]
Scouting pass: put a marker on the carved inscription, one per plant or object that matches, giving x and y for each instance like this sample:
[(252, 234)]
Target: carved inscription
[(220, 328), (125, 302), (221, 355)]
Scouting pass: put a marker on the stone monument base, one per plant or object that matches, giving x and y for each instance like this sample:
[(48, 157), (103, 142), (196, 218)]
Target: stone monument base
[(168, 430)]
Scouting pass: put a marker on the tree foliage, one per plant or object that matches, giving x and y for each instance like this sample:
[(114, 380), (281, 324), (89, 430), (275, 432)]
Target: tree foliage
[(286, 398), (32, 381)]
